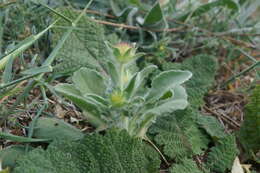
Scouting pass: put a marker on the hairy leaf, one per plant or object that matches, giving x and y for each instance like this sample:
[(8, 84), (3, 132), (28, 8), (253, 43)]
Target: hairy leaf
[(154, 15), (113, 153), (51, 128), (212, 126), (180, 134), (222, 156), (203, 68), (186, 166), (165, 81), (9, 155), (89, 81), (85, 46), (250, 130)]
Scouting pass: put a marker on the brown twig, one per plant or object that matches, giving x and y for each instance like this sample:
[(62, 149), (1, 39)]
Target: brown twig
[(226, 37), (2, 5), (120, 25), (100, 14), (227, 119)]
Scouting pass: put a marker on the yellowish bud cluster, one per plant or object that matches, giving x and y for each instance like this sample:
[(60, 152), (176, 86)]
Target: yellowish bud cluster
[(124, 52), (117, 99)]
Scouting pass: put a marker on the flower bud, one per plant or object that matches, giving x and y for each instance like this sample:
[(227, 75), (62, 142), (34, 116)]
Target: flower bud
[(124, 52), (117, 99)]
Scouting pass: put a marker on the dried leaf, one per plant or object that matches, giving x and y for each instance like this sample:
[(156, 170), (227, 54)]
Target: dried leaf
[(237, 167)]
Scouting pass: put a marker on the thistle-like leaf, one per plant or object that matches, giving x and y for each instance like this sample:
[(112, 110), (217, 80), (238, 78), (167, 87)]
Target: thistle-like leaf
[(85, 46), (180, 135), (186, 166), (113, 153), (212, 126), (250, 131), (222, 156)]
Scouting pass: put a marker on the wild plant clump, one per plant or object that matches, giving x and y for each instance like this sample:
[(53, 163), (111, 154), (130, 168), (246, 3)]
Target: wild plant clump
[(134, 86), (119, 96)]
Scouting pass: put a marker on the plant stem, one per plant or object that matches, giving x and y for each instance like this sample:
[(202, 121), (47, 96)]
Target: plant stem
[(157, 149), (241, 73), (121, 84)]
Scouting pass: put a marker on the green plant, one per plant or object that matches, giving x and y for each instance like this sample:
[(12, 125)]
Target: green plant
[(53, 129), (203, 68), (85, 45), (114, 152), (187, 166), (181, 134), (9, 155), (222, 156), (250, 130), (117, 96)]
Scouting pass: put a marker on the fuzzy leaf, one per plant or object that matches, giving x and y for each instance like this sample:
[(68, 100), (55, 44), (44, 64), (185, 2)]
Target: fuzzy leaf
[(168, 107), (9, 155), (179, 134), (51, 128), (250, 130), (85, 46), (187, 166), (89, 81), (137, 80), (212, 126), (165, 81), (71, 93), (113, 153), (222, 156), (154, 15), (203, 68)]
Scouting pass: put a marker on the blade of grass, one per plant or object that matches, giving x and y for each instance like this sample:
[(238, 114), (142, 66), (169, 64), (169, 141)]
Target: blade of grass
[(25, 78), (33, 82), (247, 55), (8, 136), (10, 92), (35, 119), (7, 76), (55, 12), (241, 73), (22, 46)]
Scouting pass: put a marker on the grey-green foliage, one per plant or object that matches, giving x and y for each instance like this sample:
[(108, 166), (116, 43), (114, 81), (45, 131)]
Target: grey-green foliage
[(114, 152), (179, 133), (222, 155), (212, 126), (85, 46), (52, 128), (203, 68), (250, 130), (9, 155), (118, 97), (186, 166)]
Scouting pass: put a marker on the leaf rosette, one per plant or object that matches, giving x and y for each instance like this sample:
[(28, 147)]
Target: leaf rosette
[(117, 96)]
